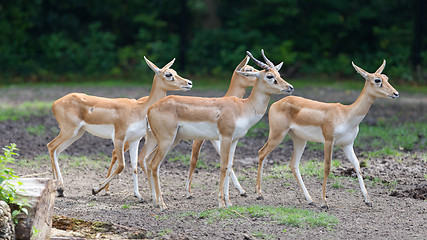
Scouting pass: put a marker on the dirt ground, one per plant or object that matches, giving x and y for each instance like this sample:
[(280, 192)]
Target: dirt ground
[(397, 187)]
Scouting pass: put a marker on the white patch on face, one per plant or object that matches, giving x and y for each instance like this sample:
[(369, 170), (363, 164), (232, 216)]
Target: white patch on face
[(198, 130)]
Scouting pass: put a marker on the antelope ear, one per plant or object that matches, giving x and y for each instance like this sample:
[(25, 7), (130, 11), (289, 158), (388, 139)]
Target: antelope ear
[(279, 66), (151, 65), (248, 74), (243, 63), (359, 70), (167, 66), (381, 68)]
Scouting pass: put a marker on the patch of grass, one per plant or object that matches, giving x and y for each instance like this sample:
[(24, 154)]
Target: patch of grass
[(164, 232), (387, 140), (337, 184), (125, 206), (25, 109), (39, 161), (242, 178), (280, 171), (183, 158), (261, 235), (98, 161), (312, 168), (38, 131), (378, 181), (279, 215)]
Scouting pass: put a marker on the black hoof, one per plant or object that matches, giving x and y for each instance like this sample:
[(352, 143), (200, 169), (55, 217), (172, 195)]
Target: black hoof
[(190, 197), (106, 194), (60, 192), (369, 204), (260, 198), (312, 204), (93, 192), (244, 194), (325, 207), (143, 201)]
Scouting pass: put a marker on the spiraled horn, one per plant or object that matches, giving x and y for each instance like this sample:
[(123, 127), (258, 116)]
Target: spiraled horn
[(258, 62), (266, 59)]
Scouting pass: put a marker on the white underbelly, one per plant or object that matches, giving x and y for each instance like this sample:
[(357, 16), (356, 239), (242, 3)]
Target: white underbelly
[(102, 131), (198, 130), (309, 133)]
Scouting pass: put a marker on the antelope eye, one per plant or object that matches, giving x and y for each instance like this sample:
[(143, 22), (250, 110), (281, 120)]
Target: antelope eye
[(377, 80), (168, 75), (270, 76), (275, 81)]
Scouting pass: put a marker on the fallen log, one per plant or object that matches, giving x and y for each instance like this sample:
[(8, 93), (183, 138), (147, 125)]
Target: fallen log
[(7, 231), (40, 195)]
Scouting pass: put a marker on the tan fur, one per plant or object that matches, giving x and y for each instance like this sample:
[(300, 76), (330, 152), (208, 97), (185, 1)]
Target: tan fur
[(76, 110), (167, 116), (338, 125)]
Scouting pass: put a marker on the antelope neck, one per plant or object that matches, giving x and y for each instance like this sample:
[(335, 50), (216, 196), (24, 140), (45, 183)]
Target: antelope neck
[(362, 104), (258, 99)]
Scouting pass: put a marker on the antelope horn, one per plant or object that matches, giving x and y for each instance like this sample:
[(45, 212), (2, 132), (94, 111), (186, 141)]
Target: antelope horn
[(266, 59), (258, 62)]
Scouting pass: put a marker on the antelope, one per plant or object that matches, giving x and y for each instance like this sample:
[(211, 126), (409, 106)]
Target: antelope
[(226, 119), (237, 88), (120, 119), (329, 123)]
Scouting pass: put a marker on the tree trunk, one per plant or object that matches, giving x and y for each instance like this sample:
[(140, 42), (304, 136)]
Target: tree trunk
[(40, 195)]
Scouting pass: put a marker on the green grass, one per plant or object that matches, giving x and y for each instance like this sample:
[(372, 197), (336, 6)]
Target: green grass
[(26, 109), (186, 159), (38, 131), (389, 140), (277, 215), (261, 235), (97, 161), (179, 157), (312, 168)]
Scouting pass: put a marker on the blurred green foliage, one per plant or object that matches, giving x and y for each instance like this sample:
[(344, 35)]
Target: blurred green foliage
[(44, 38)]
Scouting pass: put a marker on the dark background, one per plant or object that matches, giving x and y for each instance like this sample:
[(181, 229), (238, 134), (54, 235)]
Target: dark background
[(47, 40)]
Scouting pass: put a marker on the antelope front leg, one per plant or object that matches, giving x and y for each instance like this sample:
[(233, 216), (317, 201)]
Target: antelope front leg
[(225, 152), (328, 156), (349, 153), (133, 151), (217, 145), (275, 137), (229, 172)]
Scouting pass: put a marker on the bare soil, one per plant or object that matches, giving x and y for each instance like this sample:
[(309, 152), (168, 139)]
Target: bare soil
[(397, 185)]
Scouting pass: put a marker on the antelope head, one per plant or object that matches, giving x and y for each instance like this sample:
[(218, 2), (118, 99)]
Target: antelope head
[(168, 78), (377, 82), (269, 77)]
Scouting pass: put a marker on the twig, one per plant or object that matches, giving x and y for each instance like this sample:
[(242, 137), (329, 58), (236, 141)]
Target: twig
[(238, 213)]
